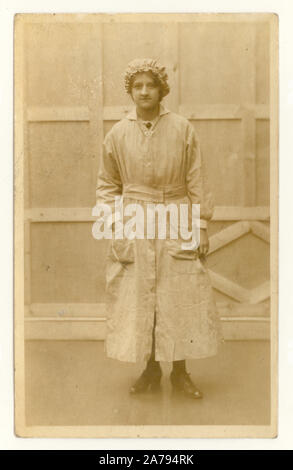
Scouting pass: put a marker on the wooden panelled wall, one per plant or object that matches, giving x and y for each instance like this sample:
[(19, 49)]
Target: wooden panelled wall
[(219, 79)]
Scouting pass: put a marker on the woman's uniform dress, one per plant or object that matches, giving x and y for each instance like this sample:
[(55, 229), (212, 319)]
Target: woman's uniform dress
[(154, 279)]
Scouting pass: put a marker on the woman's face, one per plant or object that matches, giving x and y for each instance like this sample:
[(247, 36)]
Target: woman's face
[(145, 91)]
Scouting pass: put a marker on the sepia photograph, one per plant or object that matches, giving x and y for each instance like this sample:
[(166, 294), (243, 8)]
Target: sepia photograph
[(146, 225)]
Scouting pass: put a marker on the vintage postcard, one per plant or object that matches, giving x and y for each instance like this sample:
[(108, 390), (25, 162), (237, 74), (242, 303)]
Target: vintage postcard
[(146, 225)]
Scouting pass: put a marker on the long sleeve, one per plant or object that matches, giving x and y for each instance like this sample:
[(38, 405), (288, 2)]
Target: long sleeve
[(109, 185), (196, 179)]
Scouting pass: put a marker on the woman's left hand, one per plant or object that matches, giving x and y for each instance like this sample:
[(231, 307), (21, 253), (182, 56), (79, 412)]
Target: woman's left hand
[(204, 242)]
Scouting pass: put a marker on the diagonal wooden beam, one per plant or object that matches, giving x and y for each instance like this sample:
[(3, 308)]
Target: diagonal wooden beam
[(260, 230), (228, 235), (229, 288), (260, 293)]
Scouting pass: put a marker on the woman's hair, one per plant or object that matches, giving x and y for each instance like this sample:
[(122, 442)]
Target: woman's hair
[(147, 65)]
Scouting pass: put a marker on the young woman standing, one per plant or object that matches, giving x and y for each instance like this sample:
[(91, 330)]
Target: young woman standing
[(161, 305)]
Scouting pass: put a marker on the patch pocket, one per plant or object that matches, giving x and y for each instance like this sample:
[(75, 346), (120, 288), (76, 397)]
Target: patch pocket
[(183, 261), (122, 250)]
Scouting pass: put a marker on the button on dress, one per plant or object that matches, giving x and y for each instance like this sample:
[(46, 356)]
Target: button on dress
[(151, 279)]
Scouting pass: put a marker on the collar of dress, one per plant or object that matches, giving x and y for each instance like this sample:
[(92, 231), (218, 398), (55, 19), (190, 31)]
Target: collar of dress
[(133, 116)]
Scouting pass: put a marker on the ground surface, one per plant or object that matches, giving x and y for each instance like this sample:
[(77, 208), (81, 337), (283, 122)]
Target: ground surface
[(73, 383)]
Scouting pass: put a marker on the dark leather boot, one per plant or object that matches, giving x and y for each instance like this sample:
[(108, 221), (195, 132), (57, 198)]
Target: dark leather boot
[(182, 382), (149, 380)]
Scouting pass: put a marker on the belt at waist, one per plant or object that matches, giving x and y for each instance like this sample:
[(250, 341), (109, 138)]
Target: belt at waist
[(153, 194)]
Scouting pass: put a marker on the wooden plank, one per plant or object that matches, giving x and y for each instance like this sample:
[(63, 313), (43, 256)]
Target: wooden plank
[(83, 214), (26, 152), (27, 312), (98, 310), (96, 97), (85, 329), (260, 293), (61, 159), (260, 230), (261, 111), (207, 111), (96, 92), (56, 329), (66, 310), (26, 189), (57, 113), (262, 62), (62, 214), (27, 262), (228, 287), (211, 111), (249, 66), (227, 235), (61, 319), (262, 162), (170, 58), (241, 213), (246, 319), (235, 231), (243, 310), (68, 263), (115, 113), (249, 158), (246, 330), (248, 120)]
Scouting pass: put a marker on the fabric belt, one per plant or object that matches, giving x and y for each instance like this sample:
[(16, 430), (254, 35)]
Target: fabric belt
[(154, 194)]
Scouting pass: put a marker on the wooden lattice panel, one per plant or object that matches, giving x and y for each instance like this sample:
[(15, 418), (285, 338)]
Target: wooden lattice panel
[(73, 94)]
